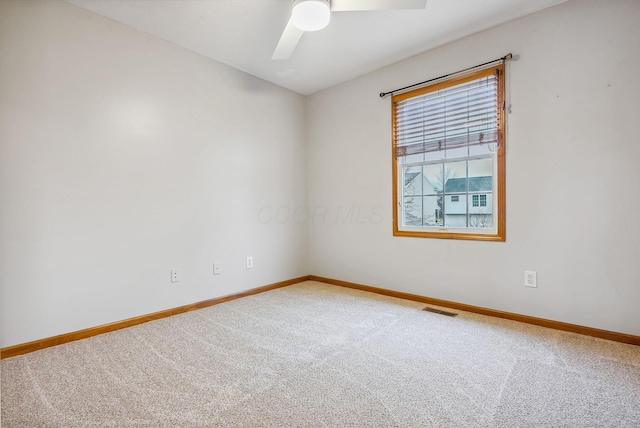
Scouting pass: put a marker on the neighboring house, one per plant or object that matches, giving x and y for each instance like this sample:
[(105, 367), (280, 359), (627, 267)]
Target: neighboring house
[(478, 201)]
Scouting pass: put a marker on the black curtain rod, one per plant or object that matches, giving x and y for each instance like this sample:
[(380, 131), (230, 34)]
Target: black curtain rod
[(504, 58)]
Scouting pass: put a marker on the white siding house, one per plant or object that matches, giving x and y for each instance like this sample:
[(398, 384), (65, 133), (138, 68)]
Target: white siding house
[(478, 202), (450, 209)]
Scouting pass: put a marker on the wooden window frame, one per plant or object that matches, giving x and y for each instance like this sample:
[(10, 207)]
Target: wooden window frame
[(500, 181)]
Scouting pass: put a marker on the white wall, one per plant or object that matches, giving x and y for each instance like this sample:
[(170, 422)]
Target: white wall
[(121, 157), (572, 161)]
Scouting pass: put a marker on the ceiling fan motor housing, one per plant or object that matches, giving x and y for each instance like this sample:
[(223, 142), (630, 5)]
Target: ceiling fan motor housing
[(311, 15)]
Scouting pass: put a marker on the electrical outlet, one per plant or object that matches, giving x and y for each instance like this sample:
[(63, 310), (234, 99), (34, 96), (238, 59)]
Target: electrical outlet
[(250, 262), (530, 279), (217, 268), (175, 275)]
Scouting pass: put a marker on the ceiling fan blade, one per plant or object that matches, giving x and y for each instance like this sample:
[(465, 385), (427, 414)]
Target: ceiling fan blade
[(288, 41), (351, 5)]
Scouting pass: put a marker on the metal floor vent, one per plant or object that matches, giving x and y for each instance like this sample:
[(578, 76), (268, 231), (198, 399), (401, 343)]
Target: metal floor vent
[(441, 312)]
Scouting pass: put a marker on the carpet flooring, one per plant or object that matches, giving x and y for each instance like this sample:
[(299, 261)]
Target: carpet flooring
[(317, 355)]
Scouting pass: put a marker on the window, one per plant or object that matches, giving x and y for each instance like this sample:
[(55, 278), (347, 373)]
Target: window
[(448, 147), (479, 200)]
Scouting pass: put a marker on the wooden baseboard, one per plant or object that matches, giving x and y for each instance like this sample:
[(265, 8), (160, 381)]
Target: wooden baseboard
[(24, 348), (36, 345), (557, 325)]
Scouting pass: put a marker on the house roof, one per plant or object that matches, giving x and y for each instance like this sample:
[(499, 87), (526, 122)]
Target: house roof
[(409, 176), (476, 184)]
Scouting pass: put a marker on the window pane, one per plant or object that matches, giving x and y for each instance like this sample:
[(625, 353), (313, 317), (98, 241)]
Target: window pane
[(412, 158), (434, 178), (412, 179), (480, 211), (482, 149), (481, 168), (480, 220), (456, 153), (436, 155), (455, 177), (481, 186), (433, 214), (455, 212), (412, 211)]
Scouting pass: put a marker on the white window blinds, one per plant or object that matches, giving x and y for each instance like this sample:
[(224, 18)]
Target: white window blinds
[(457, 116)]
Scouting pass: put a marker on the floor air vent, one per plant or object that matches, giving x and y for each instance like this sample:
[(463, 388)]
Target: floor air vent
[(441, 312)]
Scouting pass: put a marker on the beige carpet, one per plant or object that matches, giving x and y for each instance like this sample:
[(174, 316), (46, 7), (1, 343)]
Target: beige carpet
[(314, 355)]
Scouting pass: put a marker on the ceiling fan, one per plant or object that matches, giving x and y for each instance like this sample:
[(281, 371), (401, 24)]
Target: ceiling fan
[(313, 15)]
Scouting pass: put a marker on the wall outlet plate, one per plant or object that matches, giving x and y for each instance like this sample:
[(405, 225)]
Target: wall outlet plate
[(530, 279), (217, 268), (175, 275), (250, 262)]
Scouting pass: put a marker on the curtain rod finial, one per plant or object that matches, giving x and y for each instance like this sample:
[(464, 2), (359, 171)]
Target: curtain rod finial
[(382, 94), (508, 56)]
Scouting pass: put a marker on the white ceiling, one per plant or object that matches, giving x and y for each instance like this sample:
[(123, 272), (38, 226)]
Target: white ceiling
[(244, 33)]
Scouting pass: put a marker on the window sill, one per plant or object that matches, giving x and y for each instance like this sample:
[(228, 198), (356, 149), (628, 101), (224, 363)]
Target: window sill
[(446, 234)]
